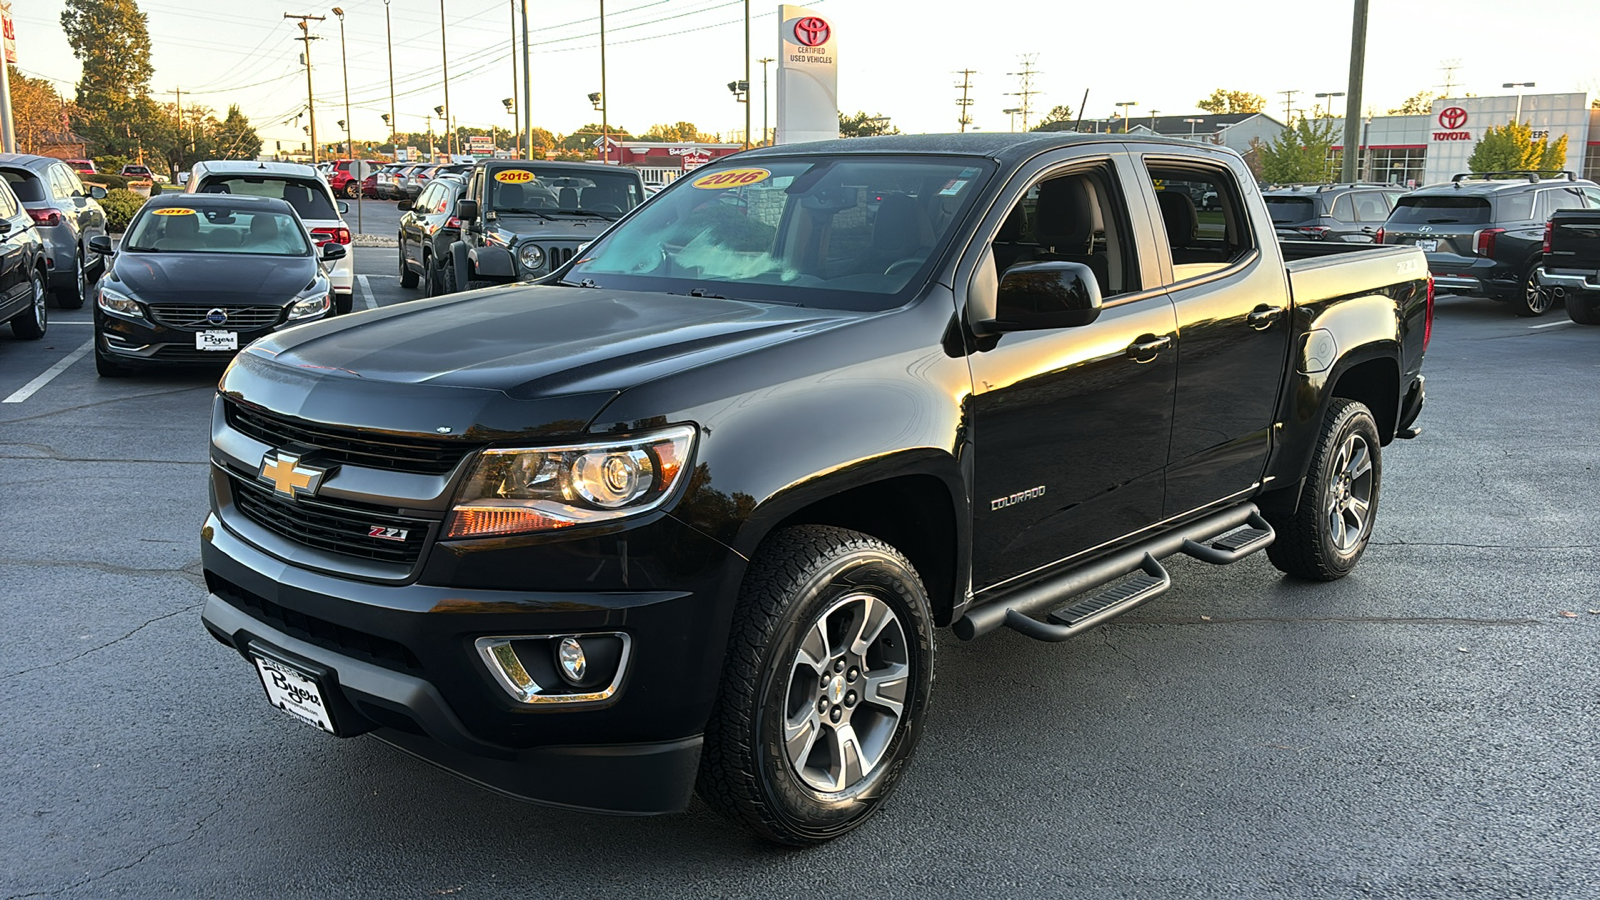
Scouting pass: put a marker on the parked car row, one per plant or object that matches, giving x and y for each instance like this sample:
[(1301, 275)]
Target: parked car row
[(1484, 233)]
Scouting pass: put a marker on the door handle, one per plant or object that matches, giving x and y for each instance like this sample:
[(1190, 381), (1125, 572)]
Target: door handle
[(1147, 346), (1262, 317)]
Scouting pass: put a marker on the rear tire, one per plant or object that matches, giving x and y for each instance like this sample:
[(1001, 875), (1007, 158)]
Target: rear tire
[(476, 283), (1531, 300), (343, 303), (430, 277), (824, 686), (1581, 312), (72, 297), (33, 322), (351, 189), (408, 278), (447, 280), (1326, 536)]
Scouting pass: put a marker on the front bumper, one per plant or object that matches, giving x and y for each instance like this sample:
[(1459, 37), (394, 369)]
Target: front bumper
[(140, 342)]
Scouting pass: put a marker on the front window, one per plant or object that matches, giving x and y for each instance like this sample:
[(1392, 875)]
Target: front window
[(212, 228), (308, 198), (841, 232), (573, 192)]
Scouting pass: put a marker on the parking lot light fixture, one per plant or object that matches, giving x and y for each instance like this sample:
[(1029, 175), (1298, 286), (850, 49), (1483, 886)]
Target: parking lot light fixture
[(1329, 95), (1519, 85), (1192, 123), (1123, 105), (347, 122)]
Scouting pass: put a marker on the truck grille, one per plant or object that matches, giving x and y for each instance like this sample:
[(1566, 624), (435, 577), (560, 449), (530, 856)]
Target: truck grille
[(560, 255), (193, 318), (331, 525), (373, 450)]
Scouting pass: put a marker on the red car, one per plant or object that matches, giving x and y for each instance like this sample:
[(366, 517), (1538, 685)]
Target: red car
[(342, 177), (82, 166)]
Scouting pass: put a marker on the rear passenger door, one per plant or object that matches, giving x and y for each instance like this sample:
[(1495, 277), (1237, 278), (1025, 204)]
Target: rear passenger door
[(1231, 301), (1071, 425)]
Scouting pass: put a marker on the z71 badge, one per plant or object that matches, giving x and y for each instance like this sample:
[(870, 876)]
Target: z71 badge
[(387, 534)]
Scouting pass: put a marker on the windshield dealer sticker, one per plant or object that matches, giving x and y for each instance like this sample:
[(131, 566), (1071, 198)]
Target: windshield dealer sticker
[(172, 211), (731, 178), (513, 176), (952, 188)]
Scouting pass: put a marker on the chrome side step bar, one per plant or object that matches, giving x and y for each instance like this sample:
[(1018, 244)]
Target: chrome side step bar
[(1220, 539)]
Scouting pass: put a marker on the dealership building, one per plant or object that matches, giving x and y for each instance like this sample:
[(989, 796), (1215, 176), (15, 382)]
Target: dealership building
[(1409, 150)]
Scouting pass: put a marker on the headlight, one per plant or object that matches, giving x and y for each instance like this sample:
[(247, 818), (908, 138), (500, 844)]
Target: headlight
[(120, 303), (311, 306), (549, 488), (531, 256)]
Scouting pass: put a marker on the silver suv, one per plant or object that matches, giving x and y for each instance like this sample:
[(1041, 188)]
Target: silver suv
[(66, 214)]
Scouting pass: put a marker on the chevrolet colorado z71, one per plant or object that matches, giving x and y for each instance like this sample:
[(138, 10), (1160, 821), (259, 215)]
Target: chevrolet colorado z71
[(688, 512)]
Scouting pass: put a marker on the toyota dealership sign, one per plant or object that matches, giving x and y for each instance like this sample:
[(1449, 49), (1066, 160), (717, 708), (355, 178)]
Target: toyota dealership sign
[(808, 76), (1451, 122)]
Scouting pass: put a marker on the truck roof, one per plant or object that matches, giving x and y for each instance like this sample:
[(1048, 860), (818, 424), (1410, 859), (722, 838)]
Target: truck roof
[(997, 145)]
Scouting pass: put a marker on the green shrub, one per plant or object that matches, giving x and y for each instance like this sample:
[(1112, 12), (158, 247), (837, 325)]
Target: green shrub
[(120, 206), (109, 182)]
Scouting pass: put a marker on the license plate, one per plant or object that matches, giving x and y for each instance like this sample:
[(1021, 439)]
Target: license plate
[(294, 692), (216, 340), (1427, 246)]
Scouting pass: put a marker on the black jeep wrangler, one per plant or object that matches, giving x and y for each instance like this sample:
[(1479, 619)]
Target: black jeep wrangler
[(525, 219)]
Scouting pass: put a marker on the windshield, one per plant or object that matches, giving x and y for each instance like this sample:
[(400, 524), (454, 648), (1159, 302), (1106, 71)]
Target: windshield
[(217, 229), (309, 198), (849, 232), (1289, 210), (1440, 210), (27, 188), (563, 191)]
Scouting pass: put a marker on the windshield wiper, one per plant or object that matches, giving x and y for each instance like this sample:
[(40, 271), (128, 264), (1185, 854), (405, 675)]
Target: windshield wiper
[(581, 283), (519, 211), (588, 212)]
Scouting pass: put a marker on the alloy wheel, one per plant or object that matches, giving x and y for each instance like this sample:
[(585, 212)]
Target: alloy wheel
[(1538, 299), (846, 693), (1350, 494)]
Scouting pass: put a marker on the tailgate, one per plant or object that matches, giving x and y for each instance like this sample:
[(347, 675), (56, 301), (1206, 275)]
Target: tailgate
[(1574, 240)]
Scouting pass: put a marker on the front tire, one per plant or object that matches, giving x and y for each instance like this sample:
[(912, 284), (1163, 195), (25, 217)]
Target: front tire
[(1326, 536), (343, 303), (352, 189), (105, 366), (824, 688), (1531, 300), (408, 278), (430, 277)]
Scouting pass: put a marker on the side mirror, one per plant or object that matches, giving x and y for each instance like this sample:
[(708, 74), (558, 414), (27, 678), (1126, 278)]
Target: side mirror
[(5, 227), (97, 192), (403, 205), (467, 210), (101, 244), (343, 207), (332, 251), (1037, 296)]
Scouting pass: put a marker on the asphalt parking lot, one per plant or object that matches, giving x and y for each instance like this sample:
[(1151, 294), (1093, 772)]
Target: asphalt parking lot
[(1425, 728)]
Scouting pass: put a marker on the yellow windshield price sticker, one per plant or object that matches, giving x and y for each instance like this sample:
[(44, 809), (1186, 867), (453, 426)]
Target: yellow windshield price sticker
[(513, 176), (172, 211), (731, 178)]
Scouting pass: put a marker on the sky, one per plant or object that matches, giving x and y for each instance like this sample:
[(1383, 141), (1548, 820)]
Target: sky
[(671, 60)]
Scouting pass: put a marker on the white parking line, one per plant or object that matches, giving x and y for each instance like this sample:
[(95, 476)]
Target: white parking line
[(68, 322), (1548, 325), (366, 292), (49, 374)]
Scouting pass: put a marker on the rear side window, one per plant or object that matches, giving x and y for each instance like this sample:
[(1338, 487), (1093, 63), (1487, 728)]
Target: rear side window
[(8, 202), (1560, 198), (1291, 210), (28, 188), (1371, 206), (1341, 209), (1202, 241), (1440, 210), (309, 198), (1516, 207)]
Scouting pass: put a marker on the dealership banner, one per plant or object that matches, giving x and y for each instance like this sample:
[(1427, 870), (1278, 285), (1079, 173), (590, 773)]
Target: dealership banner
[(10, 31), (1457, 124), (808, 76)]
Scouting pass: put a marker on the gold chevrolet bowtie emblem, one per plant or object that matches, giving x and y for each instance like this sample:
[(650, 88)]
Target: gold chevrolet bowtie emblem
[(284, 472)]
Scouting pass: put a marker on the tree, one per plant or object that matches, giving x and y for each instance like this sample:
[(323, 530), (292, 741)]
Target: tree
[(1512, 148), (39, 114), (863, 125), (234, 138), (1223, 102), (1418, 104), (1058, 119), (111, 40), (1299, 153), (682, 132)]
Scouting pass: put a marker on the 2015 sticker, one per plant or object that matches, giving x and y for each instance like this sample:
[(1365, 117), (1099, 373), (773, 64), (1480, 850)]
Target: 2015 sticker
[(513, 176), (172, 211), (731, 178)]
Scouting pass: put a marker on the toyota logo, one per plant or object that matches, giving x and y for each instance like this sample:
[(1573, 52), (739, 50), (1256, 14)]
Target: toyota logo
[(812, 31), (1453, 118), (217, 316)]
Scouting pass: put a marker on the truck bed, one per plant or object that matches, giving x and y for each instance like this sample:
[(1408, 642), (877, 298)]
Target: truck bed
[(1325, 270), (1574, 240)]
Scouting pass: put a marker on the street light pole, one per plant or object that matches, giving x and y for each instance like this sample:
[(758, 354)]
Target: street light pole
[(444, 53), (511, 5), (1124, 105), (1153, 114), (388, 40), (1329, 97), (764, 61), (1192, 124), (1012, 112), (1519, 85), (349, 124), (747, 74), (605, 100), (527, 87)]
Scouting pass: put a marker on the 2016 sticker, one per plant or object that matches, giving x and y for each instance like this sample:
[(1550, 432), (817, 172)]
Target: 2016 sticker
[(172, 211), (731, 178), (513, 176)]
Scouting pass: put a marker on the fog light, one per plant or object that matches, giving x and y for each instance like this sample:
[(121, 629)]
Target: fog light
[(569, 654)]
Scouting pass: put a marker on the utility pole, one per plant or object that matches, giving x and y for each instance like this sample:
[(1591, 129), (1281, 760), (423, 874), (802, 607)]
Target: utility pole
[(527, 86), (444, 54), (764, 62), (1288, 106), (964, 118), (8, 129), (747, 74), (512, 7), (388, 40), (1449, 66), (350, 124), (605, 99), (1026, 94), (311, 104), (1352, 124)]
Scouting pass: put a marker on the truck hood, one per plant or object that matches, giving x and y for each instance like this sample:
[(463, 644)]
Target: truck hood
[(506, 362)]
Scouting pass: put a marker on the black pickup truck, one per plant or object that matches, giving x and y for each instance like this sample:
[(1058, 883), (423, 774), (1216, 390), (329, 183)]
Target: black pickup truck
[(688, 512), (1569, 268)]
